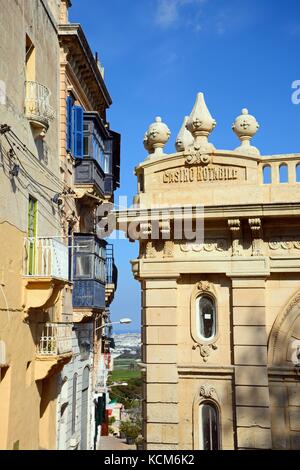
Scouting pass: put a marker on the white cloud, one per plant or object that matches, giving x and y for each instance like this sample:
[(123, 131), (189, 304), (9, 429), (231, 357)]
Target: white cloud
[(168, 11), (200, 16)]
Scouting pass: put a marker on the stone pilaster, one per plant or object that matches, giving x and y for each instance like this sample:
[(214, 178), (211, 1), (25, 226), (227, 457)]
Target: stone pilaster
[(159, 319), (253, 421)]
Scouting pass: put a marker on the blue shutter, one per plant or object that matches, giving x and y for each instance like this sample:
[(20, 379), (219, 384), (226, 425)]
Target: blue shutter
[(69, 123), (78, 131)]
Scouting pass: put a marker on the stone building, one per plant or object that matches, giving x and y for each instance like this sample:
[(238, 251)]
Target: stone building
[(58, 162), (221, 309), (90, 159)]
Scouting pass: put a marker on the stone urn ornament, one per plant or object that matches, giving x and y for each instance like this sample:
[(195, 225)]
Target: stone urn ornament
[(245, 127), (156, 137)]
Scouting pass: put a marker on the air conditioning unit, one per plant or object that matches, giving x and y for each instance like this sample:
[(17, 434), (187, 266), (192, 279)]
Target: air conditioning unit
[(3, 360)]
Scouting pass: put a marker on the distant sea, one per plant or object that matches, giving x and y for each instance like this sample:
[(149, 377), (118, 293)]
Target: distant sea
[(124, 331)]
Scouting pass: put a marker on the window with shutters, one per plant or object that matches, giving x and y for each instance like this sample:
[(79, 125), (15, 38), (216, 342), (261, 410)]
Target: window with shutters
[(75, 130), (70, 104), (78, 131)]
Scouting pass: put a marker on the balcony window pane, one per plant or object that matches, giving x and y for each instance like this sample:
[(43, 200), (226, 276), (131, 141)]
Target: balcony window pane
[(99, 269), (86, 146), (84, 246), (106, 163), (84, 266)]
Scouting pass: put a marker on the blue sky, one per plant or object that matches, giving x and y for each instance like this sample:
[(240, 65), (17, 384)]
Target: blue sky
[(158, 54)]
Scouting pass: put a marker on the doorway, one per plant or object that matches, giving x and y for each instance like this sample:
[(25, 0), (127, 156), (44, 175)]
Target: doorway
[(84, 408)]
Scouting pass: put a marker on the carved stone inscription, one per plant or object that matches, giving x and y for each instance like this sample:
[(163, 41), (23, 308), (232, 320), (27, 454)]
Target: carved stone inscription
[(202, 174)]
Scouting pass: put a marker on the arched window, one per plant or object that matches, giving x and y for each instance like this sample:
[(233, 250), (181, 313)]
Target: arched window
[(206, 317), (267, 174), (283, 173), (298, 173), (209, 431), (74, 400)]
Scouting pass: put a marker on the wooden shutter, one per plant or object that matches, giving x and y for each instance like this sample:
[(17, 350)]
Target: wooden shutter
[(69, 124), (78, 131)]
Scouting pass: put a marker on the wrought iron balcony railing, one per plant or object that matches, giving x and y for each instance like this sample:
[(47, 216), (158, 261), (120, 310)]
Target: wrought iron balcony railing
[(56, 339), (46, 258), (37, 103)]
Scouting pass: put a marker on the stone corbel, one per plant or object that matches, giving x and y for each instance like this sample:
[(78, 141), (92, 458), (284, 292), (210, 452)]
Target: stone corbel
[(89, 195), (256, 230), (46, 367), (169, 249), (150, 250), (235, 230), (205, 350), (41, 293)]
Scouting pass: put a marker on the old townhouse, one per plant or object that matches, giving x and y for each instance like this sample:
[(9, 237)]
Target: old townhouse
[(58, 162)]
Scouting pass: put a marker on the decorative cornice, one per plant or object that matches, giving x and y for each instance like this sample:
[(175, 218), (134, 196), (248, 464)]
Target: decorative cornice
[(73, 34), (292, 209)]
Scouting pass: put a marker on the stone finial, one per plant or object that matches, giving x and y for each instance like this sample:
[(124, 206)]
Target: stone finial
[(201, 124), (245, 127), (184, 138), (156, 137)]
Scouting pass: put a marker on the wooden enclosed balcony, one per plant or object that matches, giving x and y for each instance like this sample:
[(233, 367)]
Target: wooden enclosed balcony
[(89, 276), (89, 178)]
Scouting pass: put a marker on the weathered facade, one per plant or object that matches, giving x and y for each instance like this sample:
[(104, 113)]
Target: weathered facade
[(90, 166), (220, 313), (56, 279)]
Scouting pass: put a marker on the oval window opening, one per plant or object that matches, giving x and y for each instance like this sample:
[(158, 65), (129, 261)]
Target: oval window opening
[(206, 318)]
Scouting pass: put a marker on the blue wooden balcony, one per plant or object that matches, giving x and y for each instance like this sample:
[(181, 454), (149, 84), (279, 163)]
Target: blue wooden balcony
[(89, 272), (89, 174)]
